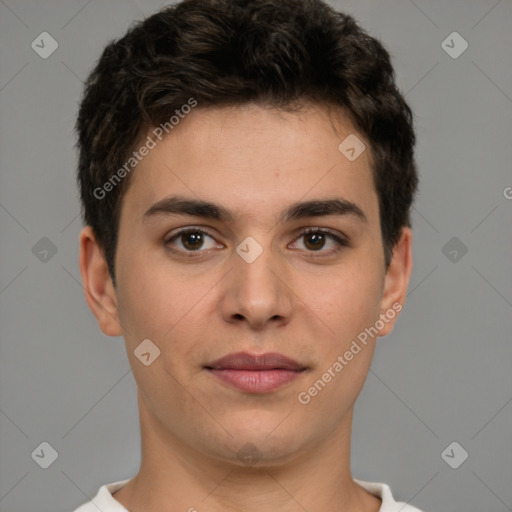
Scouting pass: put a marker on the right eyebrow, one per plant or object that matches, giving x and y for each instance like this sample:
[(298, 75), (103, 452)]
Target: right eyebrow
[(185, 206)]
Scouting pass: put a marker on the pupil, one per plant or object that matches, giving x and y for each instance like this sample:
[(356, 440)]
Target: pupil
[(192, 240), (315, 241)]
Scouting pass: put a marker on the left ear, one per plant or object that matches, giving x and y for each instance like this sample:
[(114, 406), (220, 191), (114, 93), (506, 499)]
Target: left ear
[(396, 281)]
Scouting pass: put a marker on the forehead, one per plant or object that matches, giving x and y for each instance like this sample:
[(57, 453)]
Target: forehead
[(255, 159)]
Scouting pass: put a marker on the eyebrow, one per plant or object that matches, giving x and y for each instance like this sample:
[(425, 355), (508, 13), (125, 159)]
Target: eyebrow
[(197, 208)]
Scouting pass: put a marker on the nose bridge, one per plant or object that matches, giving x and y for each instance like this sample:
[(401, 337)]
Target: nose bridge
[(256, 290)]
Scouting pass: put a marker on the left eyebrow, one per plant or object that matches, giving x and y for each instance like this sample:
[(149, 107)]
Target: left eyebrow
[(316, 208), (320, 208)]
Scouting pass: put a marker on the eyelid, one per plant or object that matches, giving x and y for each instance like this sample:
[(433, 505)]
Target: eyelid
[(326, 231), (188, 229)]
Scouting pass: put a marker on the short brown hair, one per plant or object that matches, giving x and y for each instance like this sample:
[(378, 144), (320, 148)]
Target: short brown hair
[(230, 52)]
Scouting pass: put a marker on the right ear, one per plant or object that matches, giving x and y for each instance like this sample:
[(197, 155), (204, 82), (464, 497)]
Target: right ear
[(98, 287)]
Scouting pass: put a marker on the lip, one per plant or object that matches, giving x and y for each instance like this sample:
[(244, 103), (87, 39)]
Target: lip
[(256, 373)]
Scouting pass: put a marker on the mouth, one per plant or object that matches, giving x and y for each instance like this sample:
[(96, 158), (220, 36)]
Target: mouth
[(261, 373)]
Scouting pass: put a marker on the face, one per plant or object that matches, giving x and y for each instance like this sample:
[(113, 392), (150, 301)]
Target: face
[(250, 254)]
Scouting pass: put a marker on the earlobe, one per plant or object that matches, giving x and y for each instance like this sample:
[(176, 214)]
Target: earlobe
[(98, 287), (396, 281)]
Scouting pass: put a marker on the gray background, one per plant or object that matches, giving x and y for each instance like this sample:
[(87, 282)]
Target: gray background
[(443, 375)]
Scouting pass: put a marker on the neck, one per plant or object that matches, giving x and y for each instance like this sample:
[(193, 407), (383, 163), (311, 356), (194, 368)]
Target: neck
[(175, 477)]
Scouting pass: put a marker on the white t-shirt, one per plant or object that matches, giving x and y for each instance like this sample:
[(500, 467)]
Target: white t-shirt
[(106, 503)]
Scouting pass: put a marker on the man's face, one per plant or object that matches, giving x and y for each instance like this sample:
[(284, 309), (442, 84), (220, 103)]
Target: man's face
[(285, 291)]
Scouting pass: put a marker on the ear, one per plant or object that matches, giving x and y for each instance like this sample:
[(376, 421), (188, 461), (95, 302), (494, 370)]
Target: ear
[(396, 281), (98, 287)]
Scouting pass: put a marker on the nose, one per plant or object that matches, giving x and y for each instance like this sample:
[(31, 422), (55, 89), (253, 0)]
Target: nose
[(257, 293)]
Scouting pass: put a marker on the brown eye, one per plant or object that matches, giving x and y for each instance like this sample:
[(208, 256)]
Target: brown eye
[(320, 241), (314, 241), (191, 240)]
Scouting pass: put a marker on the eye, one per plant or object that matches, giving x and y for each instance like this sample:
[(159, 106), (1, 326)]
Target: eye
[(191, 240), (320, 240), (315, 240)]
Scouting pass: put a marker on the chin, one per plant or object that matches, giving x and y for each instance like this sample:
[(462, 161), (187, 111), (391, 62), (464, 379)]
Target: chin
[(266, 446)]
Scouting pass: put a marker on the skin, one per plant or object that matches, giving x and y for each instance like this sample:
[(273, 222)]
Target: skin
[(306, 304)]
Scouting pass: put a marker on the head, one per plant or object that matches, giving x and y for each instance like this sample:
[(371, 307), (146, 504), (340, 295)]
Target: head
[(239, 110)]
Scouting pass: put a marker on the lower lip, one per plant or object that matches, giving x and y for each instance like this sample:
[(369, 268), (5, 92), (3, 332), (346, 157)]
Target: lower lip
[(257, 381)]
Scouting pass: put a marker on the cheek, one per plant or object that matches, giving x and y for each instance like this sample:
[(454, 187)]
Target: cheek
[(346, 302), (349, 306), (151, 299), (169, 309), (164, 309)]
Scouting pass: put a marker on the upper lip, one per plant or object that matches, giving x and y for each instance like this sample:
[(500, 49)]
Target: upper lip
[(246, 361)]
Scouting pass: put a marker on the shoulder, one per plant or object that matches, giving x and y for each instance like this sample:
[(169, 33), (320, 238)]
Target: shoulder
[(383, 492), (104, 500)]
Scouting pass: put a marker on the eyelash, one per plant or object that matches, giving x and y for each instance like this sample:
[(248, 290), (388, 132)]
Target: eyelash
[(340, 241)]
